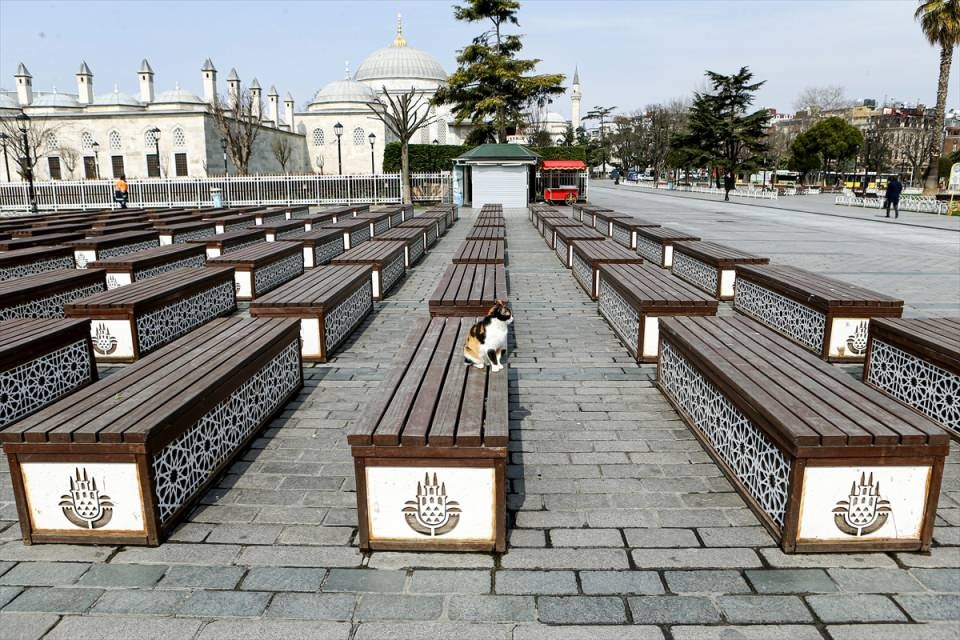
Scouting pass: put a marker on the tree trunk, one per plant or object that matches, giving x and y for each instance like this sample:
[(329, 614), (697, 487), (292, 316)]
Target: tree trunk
[(405, 172), (931, 185)]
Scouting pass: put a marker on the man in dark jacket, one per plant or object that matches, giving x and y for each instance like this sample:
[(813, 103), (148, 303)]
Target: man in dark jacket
[(894, 187), (728, 186)]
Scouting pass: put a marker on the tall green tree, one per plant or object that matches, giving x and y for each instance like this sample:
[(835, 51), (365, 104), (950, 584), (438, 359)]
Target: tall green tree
[(830, 139), (493, 87), (602, 116), (940, 22)]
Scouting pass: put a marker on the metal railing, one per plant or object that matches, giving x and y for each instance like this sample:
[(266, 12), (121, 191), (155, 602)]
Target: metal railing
[(739, 192), (384, 188), (546, 181), (917, 204)]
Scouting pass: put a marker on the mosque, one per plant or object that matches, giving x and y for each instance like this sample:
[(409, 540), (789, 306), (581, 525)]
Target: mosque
[(88, 135)]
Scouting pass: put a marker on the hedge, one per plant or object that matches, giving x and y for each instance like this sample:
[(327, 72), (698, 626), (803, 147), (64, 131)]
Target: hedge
[(430, 158)]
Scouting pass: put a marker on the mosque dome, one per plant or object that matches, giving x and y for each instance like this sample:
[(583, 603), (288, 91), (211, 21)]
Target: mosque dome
[(117, 98), (400, 62), (178, 95), (553, 117), (55, 99), (343, 91)]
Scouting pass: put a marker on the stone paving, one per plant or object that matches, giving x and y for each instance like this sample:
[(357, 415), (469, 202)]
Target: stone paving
[(621, 527)]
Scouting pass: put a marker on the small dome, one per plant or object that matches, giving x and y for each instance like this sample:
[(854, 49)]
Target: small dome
[(117, 98), (55, 99), (178, 95), (344, 91), (400, 62), (554, 117)]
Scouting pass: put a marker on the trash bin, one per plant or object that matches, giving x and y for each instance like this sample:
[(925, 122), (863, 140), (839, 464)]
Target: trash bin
[(217, 197)]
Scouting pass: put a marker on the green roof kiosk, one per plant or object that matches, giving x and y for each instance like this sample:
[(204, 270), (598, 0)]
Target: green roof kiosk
[(490, 173)]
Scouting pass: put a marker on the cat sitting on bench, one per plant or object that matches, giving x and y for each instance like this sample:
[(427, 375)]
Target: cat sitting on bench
[(487, 341)]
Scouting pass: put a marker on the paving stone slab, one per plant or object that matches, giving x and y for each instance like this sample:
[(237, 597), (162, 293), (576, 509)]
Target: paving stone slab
[(433, 631), (360, 580), (764, 609), (299, 556), (925, 608), (587, 632), (377, 606), (16, 551), (586, 537), (565, 559), (877, 580), (312, 606), (8, 593), (54, 600), (673, 610), (943, 580), (535, 582), (492, 608), (893, 632), (223, 604), (752, 632), (452, 581), (177, 553), (267, 629), (664, 538), (621, 582), (855, 608), (396, 560), (283, 579), (791, 581), (779, 559), (705, 581), (200, 577), (27, 626), (140, 602), (581, 610), (35, 574), (122, 575), (695, 558)]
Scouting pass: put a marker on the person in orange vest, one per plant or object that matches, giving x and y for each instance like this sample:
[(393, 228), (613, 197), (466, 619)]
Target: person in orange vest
[(120, 191)]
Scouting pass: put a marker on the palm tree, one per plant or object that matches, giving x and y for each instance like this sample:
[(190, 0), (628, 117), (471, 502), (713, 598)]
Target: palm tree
[(940, 21)]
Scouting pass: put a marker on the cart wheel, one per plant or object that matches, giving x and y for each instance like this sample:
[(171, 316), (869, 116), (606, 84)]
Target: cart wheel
[(571, 199)]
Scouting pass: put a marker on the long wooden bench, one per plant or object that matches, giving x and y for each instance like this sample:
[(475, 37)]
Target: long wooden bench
[(397, 213), (487, 233), (711, 266), (329, 301), (178, 232), (826, 462), (634, 297), (469, 290), (480, 252), (129, 322), (624, 230), (489, 219), (917, 362), (232, 222), (655, 244), (603, 220), (271, 215), (583, 212), (43, 295), (588, 256), (540, 217), (42, 361), (111, 245), (280, 230), (379, 221), (12, 244), (47, 230), (320, 246), (149, 263), (124, 459), (430, 228), (565, 238), (262, 267), (827, 316), (355, 231), (413, 240), (118, 228), (548, 228), (222, 243), (443, 216), (430, 451), (24, 262), (386, 260)]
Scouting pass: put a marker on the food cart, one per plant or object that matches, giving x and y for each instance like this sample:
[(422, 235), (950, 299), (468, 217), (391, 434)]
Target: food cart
[(561, 180)]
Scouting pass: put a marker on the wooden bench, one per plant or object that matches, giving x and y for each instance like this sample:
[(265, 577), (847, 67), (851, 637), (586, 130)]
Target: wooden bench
[(118, 228), (429, 227), (624, 230), (603, 221), (24, 262), (397, 213), (129, 322), (124, 459), (413, 240), (13, 244), (271, 215), (327, 215), (262, 267), (827, 316), (588, 256), (47, 230), (430, 450), (655, 244), (329, 301), (825, 462), (43, 295), (487, 233), (42, 361), (469, 290), (541, 217), (149, 263), (564, 239), (480, 252), (320, 246), (443, 218), (379, 221), (88, 250), (634, 297), (583, 212), (548, 227), (280, 230), (386, 260), (355, 231), (917, 362), (176, 233), (489, 219), (222, 243), (711, 266), (234, 222)]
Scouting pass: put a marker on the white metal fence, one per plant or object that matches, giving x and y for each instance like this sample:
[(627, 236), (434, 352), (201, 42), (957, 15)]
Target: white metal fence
[(739, 192), (908, 203), (235, 191)]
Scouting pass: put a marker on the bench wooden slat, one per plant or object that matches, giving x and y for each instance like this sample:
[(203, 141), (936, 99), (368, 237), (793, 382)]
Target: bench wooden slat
[(469, 429), (444, 428), (426, 402)]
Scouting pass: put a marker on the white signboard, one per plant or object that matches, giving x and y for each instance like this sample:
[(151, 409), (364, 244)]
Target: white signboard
[(955, 176), (848, 337)]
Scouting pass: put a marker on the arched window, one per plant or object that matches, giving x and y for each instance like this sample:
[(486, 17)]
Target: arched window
[(442, 132), (115, 143), (318, 137), (358, 136), (149, 140), (179, 139), (52, 143), (86, 141)]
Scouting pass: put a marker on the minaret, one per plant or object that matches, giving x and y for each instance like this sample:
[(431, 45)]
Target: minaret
[(209, 81), (255, 105), (233, 88), (24, 86), (84, 84), (399, 41), (575, 97), (288, 107), (145, 75), (273, 104)]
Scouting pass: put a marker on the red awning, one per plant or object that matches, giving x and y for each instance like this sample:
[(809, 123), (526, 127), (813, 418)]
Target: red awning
[(564, 164)]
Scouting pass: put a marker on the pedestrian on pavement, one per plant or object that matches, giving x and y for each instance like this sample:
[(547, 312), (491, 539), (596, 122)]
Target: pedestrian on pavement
[(120, 191), (728, 186), (892, 196)]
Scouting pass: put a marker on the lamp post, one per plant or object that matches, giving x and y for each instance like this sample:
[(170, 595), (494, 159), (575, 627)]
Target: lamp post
[(23, 122), (96, 159), (338, 131), (156, 148), (223, 145), (373, 166), (6, 163)]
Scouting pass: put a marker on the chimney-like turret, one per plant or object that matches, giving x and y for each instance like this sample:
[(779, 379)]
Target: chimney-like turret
[(24, 86), (84, 84), (256, 107), (273, 105), (145, 75), (233, 87), (209, 81), (288, 107)]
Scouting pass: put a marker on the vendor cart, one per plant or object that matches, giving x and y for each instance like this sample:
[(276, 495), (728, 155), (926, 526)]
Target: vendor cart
[(561, 179)]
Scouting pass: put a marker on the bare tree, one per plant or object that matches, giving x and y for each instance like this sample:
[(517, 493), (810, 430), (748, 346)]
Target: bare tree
[(915, 148), (815, 100), (70, 158), (237, 122), (282, 151), (403, 115), (38, 138)]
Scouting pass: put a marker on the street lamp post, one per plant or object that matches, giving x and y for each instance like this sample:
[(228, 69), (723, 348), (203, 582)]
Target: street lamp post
[(338, 131), (223, 145), (96, 159), (373, 166), (6, 163), (23, 122), (156, 148)]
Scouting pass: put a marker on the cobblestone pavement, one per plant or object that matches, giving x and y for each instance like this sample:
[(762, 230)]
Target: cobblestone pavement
[(620, 525)]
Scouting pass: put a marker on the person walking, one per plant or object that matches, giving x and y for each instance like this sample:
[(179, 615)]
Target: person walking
[(728, 186), (892, 196), (120, 191)]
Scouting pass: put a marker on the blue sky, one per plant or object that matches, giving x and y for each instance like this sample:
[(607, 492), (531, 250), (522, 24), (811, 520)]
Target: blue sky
[(630, 54)]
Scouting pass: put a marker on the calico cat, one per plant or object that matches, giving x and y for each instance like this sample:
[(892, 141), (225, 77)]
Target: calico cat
[(487, 341)]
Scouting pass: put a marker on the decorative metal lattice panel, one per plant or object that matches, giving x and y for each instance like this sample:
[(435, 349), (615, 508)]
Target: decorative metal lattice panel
[(582, 272), (381, 226), (275, 218), (805, 325), (122, 250), (50, 306), (183, 263), (696, 272), (622, 235), (756, 462), (340, 321), (431, 234), (34, 384), (37, 266), (276, 273), (416, 249), (327, 251), (237, 226), (165, 324), (198, 234), (391, 273), (650, 250), (182, 466), (290, 232), (229, 248), (560, 247), (624, 319), (931, 390), (361, 235)]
